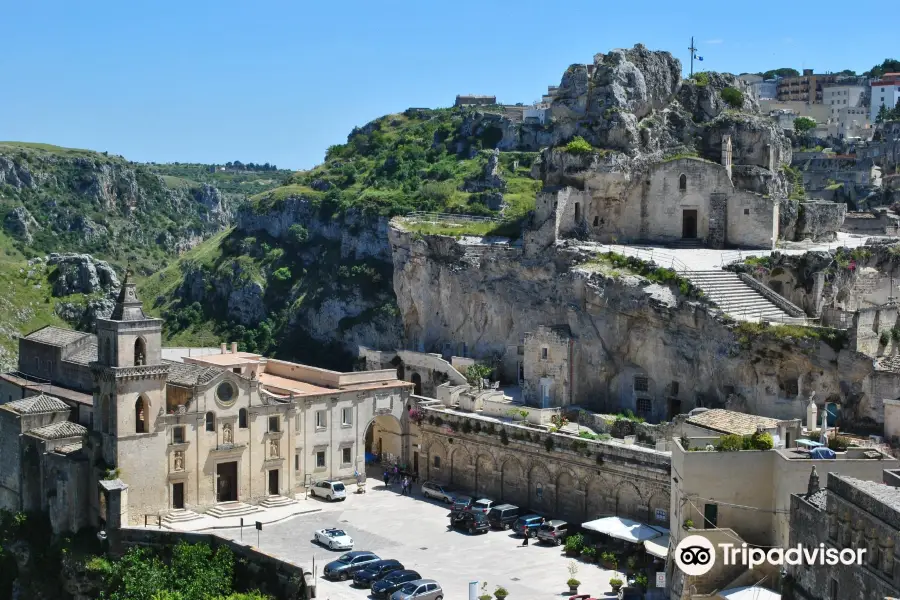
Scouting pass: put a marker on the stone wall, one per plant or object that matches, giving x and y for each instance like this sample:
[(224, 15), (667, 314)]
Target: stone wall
[(576, 479), (752, 220), (868, 326), (776, 299), (254, 569), (820, 221), (548, 355)]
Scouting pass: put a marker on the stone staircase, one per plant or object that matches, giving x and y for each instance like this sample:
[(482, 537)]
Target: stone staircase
[(179, 515), (225, 510), (276, 501), (737, 299)]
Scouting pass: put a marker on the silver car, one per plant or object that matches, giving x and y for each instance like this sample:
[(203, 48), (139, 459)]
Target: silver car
[(436, 491), (422, 589)]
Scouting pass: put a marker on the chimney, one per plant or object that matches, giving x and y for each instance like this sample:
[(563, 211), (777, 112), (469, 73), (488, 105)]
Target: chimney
[(224, 348), (726, 154), (234, 347)]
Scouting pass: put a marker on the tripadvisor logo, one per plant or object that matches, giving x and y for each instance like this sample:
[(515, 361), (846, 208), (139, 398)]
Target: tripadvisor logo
[(695, 555)]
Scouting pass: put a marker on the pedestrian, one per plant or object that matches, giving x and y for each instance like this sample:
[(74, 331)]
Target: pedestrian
[(396, 473), (406, 485), (387, 480), (525, 536)]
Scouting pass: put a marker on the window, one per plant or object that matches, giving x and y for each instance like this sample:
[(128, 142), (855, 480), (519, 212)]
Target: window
[(643, 406), (140, 352), (682, 182), (321, 421), (320, 459), (296, 462), (346, 456), (346, 417), (242, 418), (273, 424), (641, 383), (662, 515), (225, 392), (596, 221), (140, 415), (710, 516), (236, 370), (210, 421), (178, 434), (437, 463), (746, 211), (544, 353)]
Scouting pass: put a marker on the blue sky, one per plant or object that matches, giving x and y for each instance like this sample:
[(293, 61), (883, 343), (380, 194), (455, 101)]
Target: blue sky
[(279, 82)]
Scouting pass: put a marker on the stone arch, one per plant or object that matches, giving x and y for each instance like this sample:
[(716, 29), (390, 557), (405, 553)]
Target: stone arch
[(242, 418), (658, 500), (210, 421), (569, 503), (486, 483), (416, 380), (596, 491), (384, 438), (513, 482), (629, 500), (141, 415), (438, 461), (462, 468), (140, 352), (542, 489)]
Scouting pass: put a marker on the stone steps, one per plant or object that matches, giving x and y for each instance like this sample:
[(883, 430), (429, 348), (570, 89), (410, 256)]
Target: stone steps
[(736, 298), (180, 515), (232, 509), (276, 501)]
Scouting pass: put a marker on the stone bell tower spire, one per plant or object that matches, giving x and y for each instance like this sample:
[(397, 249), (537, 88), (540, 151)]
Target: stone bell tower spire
[(813, 485)]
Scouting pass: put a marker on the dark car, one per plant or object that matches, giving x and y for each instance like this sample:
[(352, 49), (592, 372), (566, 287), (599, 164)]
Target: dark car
[(344, 567), (473, 522), (374, 571), (503, 516), (461, 503), (383, 588), (529, 522)]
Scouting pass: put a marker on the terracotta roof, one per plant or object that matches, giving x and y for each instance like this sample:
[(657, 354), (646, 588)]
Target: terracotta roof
[(36, 405), (58, 431), (55, 336), (728, 421), (189, 374)]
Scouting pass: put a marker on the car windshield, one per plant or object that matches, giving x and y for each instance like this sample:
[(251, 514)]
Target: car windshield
[(546, 527), (346, 558), (410, 588), (338, 487), (336, 533)]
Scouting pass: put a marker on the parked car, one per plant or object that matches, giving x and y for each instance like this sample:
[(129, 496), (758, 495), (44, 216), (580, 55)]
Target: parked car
[(436, 491), (483, 506), (423, 589), (348, 564), (503, 516), (529, 522), (330, 490), (461, 503), (553, 532), (368, 575), (473, 522), (630, 593), (383, 588), (334, 539)]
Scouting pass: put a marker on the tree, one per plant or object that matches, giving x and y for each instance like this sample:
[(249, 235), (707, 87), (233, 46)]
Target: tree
[(733, 96), (804, 124), (849, 72), (476, 374), (882, 115), (783, 72), (889, 65)]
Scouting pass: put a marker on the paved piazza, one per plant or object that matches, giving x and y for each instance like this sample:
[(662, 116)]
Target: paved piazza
[(414, 531)]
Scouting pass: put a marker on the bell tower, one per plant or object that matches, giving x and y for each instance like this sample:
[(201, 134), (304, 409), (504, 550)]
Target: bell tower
[(130, 394)]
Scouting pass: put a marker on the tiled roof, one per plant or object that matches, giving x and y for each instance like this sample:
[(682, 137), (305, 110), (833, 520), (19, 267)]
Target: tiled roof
[(55, 336), (185, 374), (68, 448), (86, 355), (818, 499), (885, 494), (58, 431), (728, 421), (36, 405), (888, 363)]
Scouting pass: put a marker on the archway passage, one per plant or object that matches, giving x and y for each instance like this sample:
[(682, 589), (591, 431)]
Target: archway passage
[(417, 381), (384, 440)]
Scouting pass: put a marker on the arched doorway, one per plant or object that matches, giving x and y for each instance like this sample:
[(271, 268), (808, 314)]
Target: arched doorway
[(834, 413), (417, 381), (384, 440)]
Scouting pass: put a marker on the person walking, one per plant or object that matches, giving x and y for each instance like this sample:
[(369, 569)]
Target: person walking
[(387, 480), (525, 536), (404, 486)]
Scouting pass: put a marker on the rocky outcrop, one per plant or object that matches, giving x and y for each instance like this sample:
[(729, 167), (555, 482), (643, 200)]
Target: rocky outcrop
[(15, 174), (112, 186), (217, 209), (755, 140), (760, 181), (84, 316), (81, 274), (21, 224), (703, 100)]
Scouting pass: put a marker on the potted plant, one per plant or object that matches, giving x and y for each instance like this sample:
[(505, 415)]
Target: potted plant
[(641, 580), (610, 561), (572, 582), (688, 524), (484, 593), (631, 564), (615, 583), (500, 593), (588, 553), (574, 544)]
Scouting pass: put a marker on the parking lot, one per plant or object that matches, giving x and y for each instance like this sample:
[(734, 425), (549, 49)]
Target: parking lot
[(414, 531)]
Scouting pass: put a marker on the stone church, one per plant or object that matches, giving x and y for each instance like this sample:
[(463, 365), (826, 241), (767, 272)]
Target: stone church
[(214, 433)]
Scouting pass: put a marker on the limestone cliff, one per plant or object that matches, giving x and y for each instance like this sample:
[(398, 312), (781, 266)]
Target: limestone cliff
[(489, 297)]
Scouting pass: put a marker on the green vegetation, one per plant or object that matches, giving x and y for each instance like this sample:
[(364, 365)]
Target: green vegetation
[(733, 96), (701, 79), (746, 332), (888, 65), (795, 178), (839, 443), (783, 72), (578, 145), (804, 124), (756, 441), (646, 269)]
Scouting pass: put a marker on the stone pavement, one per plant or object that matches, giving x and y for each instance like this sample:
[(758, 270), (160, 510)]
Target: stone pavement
[(267, 515), (415, 532)]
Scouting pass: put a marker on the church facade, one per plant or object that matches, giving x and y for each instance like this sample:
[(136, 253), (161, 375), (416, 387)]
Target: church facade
[(163, 436)]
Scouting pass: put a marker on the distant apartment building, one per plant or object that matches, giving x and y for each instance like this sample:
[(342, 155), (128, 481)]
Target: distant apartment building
[(804, 88), (475, 100), (840, 96), (762, 89), (885, 92)]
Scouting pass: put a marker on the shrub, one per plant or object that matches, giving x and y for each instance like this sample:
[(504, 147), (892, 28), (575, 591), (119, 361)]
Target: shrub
[(839, 443), (548, 443), (761, 440), (297, 234), (466, 427), (701, 79), (884, 339), (730, 443), (504, 437), (572, 582), (500, 593), (733, 96), (578, 145), (616, 582), (802, 124), (574, 543), (588, 552), (641, 580), (282, 274), (689, 523)]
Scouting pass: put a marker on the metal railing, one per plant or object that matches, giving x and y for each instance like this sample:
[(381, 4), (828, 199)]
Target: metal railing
[(660, 259), (449, 218)]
